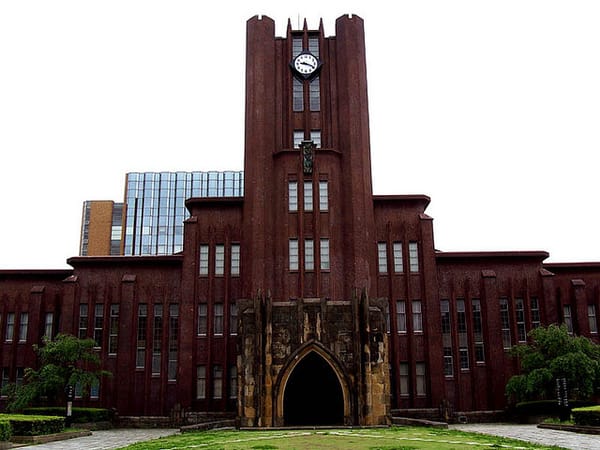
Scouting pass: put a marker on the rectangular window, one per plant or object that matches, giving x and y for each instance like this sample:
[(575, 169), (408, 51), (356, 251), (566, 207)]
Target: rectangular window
[(308, 196), (505, 322), (420, 382), (478, 330), (593, 324), (233, 382), (520, 313), (113, 331), (83, 321), (315, 96), (204, 259), (49, 325), (535, 312), (23, 327), (463, 356), (157, 334), (461, 316), (382, 257), (323, 196), (235, 260), (417, 316), (309, 254), (568, 320), (10, 327), (173, 341), (315, 136), (202, 319), (293, 249), (404, 391), (293, 196), (298, 138), (233, 318), (324, 254), (201, 382), (398, 263), (19, 376), (296, 46), (95, 390), (140, 360), (297, 95), (219, 259), (447, 337), (461, 321), (98, 324), (445, 310), (448, 362), (217, 382), (218, 316), (413, 257), (401, 316), (5, 379)]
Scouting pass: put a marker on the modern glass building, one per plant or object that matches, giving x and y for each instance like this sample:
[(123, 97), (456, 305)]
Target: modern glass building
[(101, 228)]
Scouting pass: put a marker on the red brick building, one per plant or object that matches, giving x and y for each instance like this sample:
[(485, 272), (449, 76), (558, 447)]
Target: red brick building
[(308, 300)]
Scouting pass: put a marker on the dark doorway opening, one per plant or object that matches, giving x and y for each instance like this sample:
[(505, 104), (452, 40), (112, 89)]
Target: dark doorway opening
[(313, 394)]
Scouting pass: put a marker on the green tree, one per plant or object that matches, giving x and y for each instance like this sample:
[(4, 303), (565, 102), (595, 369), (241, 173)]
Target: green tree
[(551, 354), (65, 360)]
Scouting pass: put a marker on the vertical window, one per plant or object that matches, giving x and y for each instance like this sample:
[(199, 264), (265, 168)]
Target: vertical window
[(505, 322), (298, 138), (235, 259), (324, 254), (568, 320), (535, 312), (401, 316), (309, 254), (218, 316), (308, 196), (141, 336), (202, 319), (296, 46), (520, 313), (219, 259), (293, 249), (217, 382), (382, 257), (173, 341), (404, 391), (157, 333), (83, 321), (201, 382), (10, 327), (49, 325), (461, 318), (204, 259), (447, 338), (420, 382), (95, 389), (293, 196), (5, 379), (297, 95), (113, 330), (233, 382), (398, 263), (323, 196), (19, 376), (315, 136), (315, 95), (478, 330), (413, 257), (593, 324), (23, 327), (98, 324), (417, 316), (233, 318)]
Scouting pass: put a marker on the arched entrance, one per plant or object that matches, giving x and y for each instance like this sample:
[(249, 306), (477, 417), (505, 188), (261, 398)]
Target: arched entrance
[(313, 394)]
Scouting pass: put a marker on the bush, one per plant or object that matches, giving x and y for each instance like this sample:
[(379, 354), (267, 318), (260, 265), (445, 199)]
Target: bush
[(5, 430), (23, 425), (546, 407), (587, 416), (79, 415)]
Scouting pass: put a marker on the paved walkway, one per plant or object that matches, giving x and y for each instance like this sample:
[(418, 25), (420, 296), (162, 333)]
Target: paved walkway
[(105, 439), (531, 433)]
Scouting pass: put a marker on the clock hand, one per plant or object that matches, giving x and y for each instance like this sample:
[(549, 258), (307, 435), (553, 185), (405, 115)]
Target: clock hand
[(307, 64)]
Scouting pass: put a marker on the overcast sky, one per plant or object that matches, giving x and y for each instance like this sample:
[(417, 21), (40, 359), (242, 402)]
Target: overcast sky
[(492, 108)]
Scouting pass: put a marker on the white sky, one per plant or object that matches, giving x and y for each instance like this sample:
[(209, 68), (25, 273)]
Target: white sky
[(492, 108)]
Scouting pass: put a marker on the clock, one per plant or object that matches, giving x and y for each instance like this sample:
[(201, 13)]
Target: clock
[(305, 64)]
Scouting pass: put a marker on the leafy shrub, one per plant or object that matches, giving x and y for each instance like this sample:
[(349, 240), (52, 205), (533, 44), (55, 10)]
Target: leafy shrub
[(79, 415), (587, 416), (23, 425), (5, 430)]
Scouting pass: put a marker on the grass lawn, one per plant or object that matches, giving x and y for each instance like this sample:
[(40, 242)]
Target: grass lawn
[(395, 438)]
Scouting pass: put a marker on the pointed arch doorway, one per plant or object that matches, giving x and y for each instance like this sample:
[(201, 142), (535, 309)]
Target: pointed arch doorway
[(313, 394)]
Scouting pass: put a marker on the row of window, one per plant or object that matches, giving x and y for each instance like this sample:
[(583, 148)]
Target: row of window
[(218, 319), (401, 319), (18, 331), (307, 197), (309, 254), (420, 380), (218, 260), (397, 261), (314, 136), (217, 381), (97, 331), (591, 315)]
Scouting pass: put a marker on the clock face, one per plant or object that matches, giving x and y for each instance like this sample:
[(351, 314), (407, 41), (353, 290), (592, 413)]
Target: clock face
[(306, 63)]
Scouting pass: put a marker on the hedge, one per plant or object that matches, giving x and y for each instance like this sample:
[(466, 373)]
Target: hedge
[(79, 415), (587, 416), (545, 407), (5, 430), (26, 425)]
